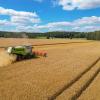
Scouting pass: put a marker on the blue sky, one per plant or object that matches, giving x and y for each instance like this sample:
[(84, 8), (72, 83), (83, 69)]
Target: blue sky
[(49, 15)]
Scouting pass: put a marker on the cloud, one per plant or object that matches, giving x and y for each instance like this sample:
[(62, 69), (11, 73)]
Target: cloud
[(12, 12), (92, 28), (78, 4), (87, 28), (83, 24), (24, 20), (54, 25), (79, 22), (87, 20), (20, 17), (30, 22), (4, 23)]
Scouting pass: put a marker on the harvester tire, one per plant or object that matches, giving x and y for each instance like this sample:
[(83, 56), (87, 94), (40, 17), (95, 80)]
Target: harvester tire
[(19, 57)]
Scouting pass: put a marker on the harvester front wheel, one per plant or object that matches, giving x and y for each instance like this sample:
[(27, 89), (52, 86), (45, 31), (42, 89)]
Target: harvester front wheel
[(19, 57)]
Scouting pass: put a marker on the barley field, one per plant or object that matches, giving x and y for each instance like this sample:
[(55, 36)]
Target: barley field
[(69, 72)]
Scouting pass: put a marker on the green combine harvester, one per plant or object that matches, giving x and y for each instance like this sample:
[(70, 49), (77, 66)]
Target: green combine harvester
[(24, 52)]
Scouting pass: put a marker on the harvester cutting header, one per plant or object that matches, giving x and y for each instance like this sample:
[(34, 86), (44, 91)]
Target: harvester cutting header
[(24, 52)]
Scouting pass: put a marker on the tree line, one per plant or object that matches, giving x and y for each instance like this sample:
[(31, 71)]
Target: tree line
[(55, 34), (93, 35)]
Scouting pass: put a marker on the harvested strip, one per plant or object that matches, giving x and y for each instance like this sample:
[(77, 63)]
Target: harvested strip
[(76, 90)]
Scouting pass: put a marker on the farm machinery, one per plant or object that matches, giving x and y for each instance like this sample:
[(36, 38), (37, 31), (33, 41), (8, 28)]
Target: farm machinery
[(24, 52)]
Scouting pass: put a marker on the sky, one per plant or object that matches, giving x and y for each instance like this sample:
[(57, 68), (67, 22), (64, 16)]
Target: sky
[(49, 15)]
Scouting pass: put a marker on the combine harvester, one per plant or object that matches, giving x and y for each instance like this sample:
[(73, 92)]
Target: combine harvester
[(24, 52)]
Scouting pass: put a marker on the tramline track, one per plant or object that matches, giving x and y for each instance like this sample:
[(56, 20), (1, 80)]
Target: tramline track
[(93, 70)]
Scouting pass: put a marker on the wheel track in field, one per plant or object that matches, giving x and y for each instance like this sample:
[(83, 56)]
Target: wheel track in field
[(75, 80), (86, 85)]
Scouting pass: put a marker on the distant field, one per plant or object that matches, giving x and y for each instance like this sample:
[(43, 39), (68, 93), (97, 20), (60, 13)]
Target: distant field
[(48, 78), (20, 41)]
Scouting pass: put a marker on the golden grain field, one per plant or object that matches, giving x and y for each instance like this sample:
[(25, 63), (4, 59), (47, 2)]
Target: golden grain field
[(45, 78)]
